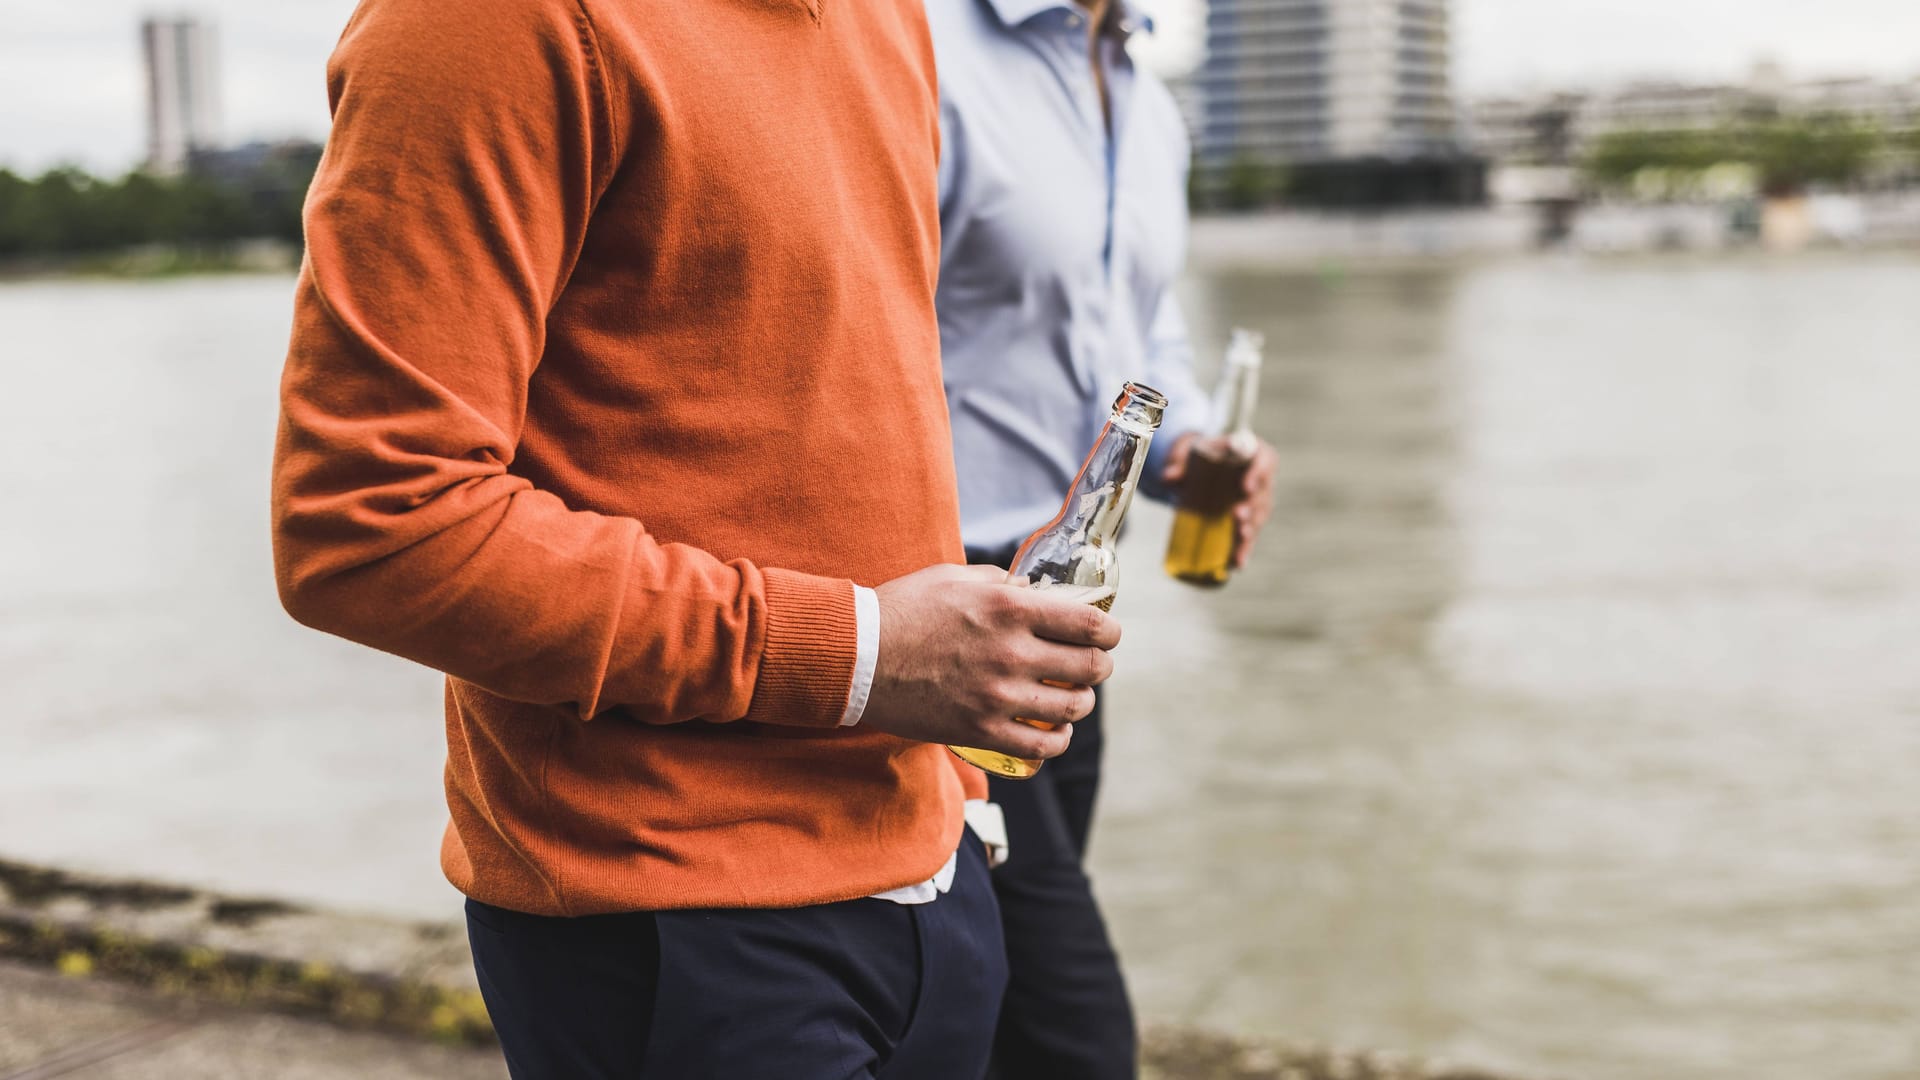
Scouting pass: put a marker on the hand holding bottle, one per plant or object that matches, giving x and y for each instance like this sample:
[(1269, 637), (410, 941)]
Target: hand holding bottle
[(1250, 500), (962, 653)]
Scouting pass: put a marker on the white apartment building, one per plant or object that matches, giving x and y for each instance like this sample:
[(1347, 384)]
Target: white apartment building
[(1310, 81), (183, 94)]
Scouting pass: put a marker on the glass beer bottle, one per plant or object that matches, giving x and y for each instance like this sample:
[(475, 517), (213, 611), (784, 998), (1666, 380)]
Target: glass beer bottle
[(1200, 551), (1072, 555)]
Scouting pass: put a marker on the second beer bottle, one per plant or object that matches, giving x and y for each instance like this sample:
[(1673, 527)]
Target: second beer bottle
[(1072, 555), (1200, 550)]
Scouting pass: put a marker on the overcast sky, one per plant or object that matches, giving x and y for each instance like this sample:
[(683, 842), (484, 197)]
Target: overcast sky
[(70, 72)]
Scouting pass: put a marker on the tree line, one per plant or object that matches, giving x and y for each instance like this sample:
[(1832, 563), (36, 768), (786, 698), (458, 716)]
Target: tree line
[(1787, 155), (66, 211), (1774, 154)]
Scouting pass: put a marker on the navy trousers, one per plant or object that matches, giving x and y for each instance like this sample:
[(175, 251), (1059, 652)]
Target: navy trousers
[(1067, 1015), (859, 990)]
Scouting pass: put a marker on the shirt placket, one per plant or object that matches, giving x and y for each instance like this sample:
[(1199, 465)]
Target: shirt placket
[(1118, 69), (1066, 49), (1104, 137)]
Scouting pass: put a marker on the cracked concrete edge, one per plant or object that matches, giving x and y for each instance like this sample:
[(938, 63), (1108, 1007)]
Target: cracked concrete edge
[(365, 971), (1185, 1053), (416, 978)]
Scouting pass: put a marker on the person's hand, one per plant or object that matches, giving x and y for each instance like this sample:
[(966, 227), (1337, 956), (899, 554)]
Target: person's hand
[(962, 653), (1255, 504)]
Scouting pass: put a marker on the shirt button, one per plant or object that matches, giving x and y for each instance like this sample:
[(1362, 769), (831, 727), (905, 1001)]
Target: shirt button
[(1073, 20)]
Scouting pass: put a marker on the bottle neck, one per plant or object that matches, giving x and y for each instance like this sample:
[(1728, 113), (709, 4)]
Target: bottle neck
[(1076, 547), (1104, 489), (1239, 393)]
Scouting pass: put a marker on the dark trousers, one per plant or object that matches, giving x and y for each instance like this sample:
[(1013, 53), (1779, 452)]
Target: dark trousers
[(1066, 1015), (859, 990)]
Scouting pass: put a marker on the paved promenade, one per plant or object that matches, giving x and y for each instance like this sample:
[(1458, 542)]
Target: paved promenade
[(53, 1026)]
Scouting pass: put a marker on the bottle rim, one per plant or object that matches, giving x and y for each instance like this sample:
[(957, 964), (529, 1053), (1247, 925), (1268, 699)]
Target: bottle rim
[(1141, 392)]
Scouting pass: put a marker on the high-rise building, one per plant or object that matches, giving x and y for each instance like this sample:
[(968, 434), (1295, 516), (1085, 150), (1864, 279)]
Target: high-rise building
[(183, 93), (1328, 86)]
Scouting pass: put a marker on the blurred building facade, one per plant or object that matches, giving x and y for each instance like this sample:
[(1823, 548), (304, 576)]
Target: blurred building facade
[(183, 92), (1353, 98), (1562, 127)]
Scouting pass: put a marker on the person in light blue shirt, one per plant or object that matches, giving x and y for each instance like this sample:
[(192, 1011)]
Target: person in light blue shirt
[(1063, 227)]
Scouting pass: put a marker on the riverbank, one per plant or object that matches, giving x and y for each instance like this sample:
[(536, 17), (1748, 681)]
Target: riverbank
[(1303, 238), (175, 952), (158, 262)]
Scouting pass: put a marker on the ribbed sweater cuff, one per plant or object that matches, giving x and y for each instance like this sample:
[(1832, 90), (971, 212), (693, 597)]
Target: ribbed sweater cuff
[(807, 667)]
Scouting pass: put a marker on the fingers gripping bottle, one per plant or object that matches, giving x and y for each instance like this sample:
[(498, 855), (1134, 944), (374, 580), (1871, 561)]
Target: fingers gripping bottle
[(1072, 555)]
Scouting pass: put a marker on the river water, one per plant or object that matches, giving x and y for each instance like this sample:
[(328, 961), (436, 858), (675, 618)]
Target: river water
[(1566, 722)]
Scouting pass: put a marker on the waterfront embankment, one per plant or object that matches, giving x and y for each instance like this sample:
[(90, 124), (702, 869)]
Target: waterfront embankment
[(1308, 238), (158, 261), (1296, 237)]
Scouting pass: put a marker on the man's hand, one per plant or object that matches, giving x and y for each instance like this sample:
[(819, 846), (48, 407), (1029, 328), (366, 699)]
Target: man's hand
[(962, 653), (1256, 498)]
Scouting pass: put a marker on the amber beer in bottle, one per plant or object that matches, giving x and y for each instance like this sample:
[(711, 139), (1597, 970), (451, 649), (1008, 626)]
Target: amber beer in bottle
[(1072, 556), (1200, 551)]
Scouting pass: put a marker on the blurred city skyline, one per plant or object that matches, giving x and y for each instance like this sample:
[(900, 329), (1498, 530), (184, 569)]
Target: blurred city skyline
[(71, 82)]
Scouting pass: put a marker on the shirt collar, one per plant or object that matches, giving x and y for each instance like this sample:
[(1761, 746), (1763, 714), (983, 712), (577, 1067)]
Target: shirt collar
[(1128, 16)]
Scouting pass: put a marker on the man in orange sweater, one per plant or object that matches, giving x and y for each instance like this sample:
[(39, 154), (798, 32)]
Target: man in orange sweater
[(614, 393)]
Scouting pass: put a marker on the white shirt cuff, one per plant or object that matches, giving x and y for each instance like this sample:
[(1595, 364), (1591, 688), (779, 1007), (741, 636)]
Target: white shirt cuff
[(866, 609)]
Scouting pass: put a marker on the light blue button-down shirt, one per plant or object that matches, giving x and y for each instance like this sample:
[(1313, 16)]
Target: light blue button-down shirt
[(1059, 251)]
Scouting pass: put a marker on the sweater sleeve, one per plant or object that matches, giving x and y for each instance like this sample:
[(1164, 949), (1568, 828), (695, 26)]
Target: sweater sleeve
[(470, 144)]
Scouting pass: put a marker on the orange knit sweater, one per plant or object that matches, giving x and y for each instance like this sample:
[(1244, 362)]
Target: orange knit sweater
[(614, 365)]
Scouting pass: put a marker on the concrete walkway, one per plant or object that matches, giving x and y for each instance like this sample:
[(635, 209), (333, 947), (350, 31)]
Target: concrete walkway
[(53, 1026)]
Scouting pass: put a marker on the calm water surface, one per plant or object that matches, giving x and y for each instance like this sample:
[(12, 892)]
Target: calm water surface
[(1567, 723)]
